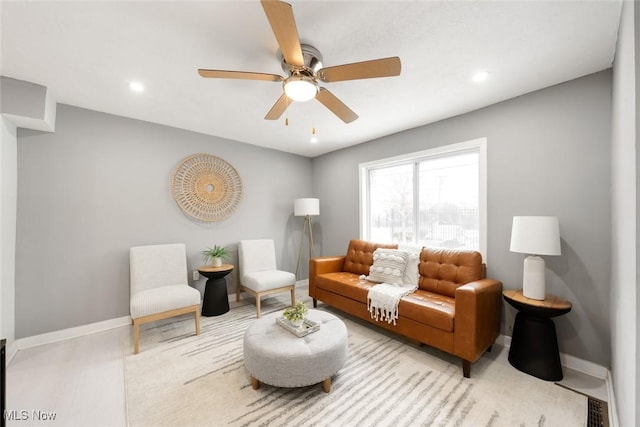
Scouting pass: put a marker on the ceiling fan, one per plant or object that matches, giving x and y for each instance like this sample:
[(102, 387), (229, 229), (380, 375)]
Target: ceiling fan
[(303, 65)]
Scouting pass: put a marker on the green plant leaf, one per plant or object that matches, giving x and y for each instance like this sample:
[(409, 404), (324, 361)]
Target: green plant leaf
[(215, 252), (297, 312)]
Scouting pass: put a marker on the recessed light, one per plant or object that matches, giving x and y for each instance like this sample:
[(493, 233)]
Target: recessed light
[(136, 86), (314, 139), (480, 76)]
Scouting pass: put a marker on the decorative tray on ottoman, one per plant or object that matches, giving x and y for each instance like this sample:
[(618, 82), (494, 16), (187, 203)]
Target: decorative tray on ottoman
[(308, 326)]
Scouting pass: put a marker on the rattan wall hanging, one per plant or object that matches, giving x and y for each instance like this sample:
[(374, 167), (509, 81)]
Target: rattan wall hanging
[(206, 187)]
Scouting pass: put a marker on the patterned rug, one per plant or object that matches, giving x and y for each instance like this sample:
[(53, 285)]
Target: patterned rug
[(182, 379)]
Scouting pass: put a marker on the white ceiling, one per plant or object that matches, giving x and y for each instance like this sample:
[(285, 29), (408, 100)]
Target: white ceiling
[(87, 52)]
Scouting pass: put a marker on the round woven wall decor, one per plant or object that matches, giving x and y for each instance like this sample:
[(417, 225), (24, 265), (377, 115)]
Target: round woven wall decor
[(206, 187)]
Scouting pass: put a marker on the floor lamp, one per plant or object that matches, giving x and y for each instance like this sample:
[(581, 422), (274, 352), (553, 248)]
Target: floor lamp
[(306, 208)]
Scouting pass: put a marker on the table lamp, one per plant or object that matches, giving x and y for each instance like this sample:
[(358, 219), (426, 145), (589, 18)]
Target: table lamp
[(306, 207), (535, 235)]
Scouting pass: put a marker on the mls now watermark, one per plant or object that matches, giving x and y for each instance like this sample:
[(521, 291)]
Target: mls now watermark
[(28, 415)]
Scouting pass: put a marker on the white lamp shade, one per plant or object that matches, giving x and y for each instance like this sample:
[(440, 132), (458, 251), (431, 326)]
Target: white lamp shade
[(304, 207), (535, 235), (300, 88)]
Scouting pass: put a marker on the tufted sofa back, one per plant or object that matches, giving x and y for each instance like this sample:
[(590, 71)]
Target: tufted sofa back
[(444, 270), (360, 256)]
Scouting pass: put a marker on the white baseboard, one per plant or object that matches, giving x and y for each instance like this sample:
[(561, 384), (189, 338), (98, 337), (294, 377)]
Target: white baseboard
[(611, 401), (504, 340), (584, 366), (65, 334), (11, 351)]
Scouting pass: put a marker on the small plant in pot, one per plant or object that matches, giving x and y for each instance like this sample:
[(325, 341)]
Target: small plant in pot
[(215, 254), (296, 314)]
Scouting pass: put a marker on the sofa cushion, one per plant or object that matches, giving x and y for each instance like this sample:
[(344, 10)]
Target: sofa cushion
[(164, 298), (429, 308), (346, 284), (421, 306), (359, 256), (260, 281), (388, 266), (443, 270)]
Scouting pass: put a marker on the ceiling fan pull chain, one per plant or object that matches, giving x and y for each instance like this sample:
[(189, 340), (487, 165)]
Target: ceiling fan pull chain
[(286, 119)]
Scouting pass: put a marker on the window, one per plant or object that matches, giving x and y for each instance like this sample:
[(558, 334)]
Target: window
[(432, 198)]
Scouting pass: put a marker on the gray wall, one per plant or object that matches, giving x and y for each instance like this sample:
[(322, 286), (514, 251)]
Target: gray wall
[(101, 184), (548, 154), (625, 229)]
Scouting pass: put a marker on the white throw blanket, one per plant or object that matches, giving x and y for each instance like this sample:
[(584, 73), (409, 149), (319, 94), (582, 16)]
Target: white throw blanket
[(383, 300)]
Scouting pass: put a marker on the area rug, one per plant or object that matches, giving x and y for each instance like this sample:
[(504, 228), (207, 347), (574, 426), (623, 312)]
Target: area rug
[(182, 379)]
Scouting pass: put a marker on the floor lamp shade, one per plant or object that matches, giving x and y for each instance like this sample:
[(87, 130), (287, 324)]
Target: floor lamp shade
[(304, 207), (535, 235)]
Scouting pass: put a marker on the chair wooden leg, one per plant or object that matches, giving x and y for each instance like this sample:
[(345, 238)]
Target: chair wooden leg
[(136, 337), (293, 296), (258, 306), (326, 385), (315, 303), (195, 309)]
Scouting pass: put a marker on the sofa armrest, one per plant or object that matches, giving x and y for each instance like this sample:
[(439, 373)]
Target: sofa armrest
[(322, 265), (477, 318)]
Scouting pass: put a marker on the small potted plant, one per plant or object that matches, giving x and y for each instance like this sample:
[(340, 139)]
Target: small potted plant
[(215, 254), (296, 314)]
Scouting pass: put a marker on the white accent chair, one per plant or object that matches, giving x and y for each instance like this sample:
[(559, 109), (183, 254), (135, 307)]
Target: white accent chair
[(159, 286), (259, 274)]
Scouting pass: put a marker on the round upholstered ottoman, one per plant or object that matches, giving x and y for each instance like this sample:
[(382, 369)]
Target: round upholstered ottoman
[(275, 356)]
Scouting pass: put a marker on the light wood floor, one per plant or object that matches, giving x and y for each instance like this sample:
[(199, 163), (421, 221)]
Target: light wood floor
[(81, 381)]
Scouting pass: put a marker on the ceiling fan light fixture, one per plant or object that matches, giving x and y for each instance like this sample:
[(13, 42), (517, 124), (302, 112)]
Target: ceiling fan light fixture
[(300, 88)]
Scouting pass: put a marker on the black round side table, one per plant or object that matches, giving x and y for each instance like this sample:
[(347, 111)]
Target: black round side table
[(534, 343), (216, 300)]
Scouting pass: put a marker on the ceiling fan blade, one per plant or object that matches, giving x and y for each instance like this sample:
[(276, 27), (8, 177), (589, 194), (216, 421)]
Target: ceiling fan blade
[(245, 75), (278, 108), (283, 24), (384, 67), (336, 106)]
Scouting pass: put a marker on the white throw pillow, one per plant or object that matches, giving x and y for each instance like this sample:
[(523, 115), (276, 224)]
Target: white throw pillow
[(411, 272), (388, 266)]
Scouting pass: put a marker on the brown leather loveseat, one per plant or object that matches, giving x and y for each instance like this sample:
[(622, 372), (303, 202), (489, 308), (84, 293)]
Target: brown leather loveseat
[(455, 309)]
